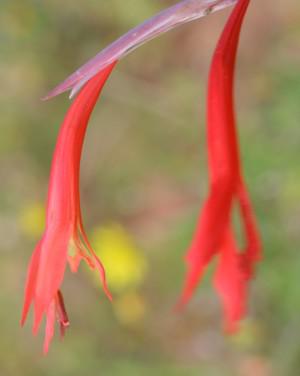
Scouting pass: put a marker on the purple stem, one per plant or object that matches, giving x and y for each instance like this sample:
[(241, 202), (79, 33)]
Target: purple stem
[(183, 12)]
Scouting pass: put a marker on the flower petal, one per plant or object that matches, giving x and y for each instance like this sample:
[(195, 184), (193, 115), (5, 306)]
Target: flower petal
[(230, 283), (64, 223), (49, 326), (226, 185), (31, 281)]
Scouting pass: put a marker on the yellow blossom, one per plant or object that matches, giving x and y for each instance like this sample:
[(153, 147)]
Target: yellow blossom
[(124, 263)]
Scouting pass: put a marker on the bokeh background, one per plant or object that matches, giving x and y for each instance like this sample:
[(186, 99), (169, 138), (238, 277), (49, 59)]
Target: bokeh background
[(143, 181)]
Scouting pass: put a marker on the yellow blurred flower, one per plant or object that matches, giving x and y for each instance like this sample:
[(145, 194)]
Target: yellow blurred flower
[(124, 263), (129, 308), (32, 220)]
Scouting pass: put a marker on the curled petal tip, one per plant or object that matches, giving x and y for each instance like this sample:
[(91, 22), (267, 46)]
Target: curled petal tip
[(108, 293), (63, 327)]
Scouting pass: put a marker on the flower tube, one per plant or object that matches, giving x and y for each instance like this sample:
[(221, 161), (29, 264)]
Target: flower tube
[(214, 234), (64, 239)]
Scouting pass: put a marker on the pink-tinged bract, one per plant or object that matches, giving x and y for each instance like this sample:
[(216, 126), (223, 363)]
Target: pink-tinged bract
[(170, 18), (64, 239), (214, 234)]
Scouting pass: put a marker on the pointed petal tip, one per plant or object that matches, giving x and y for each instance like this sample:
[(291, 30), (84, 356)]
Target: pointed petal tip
[(180, 305), (38, 316), (52, 94), (231, 323), (232, 326), (102, 273), (46, 346), (35, 328), (59, 89), (45, 349), (23, 317), (108, 293), (63, 327), (45, 98), (185, 297), (77, 87)]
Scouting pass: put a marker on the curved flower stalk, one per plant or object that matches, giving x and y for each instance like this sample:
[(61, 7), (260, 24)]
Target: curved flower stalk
[(64, 239), (214, 234), (181, 13)]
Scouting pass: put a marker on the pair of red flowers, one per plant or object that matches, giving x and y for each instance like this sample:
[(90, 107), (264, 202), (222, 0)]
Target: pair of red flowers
[(64, 238)]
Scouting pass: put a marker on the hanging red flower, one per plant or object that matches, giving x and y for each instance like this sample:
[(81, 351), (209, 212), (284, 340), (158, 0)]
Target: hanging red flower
[(214, 234), (64, 238)]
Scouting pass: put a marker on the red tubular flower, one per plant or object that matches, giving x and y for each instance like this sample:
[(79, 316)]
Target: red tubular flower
[(214, 234), (64, 238)]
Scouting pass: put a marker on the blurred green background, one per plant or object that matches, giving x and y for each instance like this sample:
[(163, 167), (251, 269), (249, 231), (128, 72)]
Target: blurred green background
[(142, 183)]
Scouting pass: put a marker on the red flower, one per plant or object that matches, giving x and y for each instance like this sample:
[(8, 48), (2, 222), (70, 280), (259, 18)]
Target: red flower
[(64, 238), (214, 234)]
